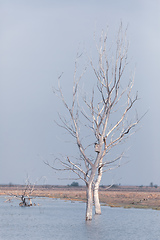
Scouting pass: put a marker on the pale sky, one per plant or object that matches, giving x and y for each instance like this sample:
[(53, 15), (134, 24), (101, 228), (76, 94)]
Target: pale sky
[(39, 40)]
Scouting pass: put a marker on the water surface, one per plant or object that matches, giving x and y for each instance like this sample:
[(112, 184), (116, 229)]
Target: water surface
[(59, 220)]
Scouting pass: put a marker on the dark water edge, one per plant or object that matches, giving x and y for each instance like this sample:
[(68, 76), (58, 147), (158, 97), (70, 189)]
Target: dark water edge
[(58, 219)]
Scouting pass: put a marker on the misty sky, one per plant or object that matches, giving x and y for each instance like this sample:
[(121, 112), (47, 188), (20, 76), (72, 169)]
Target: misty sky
[(39, 40)]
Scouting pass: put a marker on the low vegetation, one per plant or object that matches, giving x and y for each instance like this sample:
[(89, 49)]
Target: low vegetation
[(116, 196)]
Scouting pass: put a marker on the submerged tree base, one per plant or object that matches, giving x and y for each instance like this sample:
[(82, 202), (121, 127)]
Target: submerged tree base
[(21, 204), (26, 201)]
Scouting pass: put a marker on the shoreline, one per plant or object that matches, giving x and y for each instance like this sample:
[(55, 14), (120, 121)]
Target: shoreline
[(126, 197)]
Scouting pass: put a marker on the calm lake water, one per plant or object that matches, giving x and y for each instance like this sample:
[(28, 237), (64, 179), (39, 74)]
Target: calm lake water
[(59, 220)]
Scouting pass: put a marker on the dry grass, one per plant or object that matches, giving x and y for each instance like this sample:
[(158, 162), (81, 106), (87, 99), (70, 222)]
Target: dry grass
[(115, 198), (131, 199)]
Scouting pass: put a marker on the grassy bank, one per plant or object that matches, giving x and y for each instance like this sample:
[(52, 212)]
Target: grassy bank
[(131, 197)]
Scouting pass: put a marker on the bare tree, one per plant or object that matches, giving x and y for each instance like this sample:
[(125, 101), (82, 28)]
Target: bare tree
[(98, 121), (26, 194)]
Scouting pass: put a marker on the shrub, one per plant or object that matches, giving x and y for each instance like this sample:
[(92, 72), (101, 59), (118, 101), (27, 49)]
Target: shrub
[(74, 184)]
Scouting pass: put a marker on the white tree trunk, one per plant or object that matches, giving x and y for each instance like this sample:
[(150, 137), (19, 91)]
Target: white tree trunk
[(96, 192), (96, 202), (89, 205)]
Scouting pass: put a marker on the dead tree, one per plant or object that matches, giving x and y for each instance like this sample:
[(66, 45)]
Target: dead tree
[(99, 117), (26, 195)]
